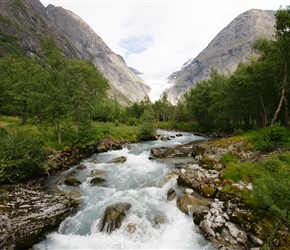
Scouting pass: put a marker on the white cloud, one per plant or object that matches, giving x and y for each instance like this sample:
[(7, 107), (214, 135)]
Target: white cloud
[(154, 36)]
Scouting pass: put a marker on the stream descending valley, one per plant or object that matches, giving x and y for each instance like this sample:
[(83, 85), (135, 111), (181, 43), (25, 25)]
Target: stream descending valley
[(152, 222)]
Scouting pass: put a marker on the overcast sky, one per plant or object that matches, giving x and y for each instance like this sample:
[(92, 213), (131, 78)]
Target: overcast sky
[(155, 36)]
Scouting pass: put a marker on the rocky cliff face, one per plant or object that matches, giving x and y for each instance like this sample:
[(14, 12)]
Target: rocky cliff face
[(231, 46), (28, 21), (113, 66)]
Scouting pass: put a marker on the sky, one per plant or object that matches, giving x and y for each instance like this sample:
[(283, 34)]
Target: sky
[(157, 37)]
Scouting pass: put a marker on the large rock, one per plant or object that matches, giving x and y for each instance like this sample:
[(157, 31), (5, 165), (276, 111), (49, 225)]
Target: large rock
[(97, 181), (28, 214), (120, 159), (72, 181), (114, 216), (191, 204)]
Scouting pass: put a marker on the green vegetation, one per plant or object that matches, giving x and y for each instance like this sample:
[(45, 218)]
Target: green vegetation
[(21, 155)]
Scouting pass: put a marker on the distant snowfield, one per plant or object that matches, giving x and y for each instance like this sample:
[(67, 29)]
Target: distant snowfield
[(158, 82)]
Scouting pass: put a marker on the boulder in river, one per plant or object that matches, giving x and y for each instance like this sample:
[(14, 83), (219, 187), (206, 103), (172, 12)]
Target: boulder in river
[(114, 216), (72, 181), (120, 159), (97, 180), (98, 172)]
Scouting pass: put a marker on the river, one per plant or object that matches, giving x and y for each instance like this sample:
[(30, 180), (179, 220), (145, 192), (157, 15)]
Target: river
[(144, 184)]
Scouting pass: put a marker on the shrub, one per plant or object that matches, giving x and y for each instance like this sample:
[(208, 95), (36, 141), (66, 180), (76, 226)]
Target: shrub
[(21, 156), (277, 133), (272, 188), (132, 121), (147, 130)]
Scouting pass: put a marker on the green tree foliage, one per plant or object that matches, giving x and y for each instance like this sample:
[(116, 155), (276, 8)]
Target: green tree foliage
[(85, 89), (206, 101), (22, 154), (17, 79), (147, 129)]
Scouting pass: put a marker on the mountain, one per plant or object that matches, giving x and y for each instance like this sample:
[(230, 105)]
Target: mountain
[(23, 23), (231, 46), (135, 71)]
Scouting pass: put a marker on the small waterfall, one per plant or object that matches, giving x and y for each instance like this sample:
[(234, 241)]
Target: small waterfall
[(152, 222)]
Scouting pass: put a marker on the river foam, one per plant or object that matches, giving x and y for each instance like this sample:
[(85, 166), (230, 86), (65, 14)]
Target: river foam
[(151, 223)]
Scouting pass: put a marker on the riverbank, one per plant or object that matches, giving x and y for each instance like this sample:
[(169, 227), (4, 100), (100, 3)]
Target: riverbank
[(225, 218), (28, 213), (231, 218)]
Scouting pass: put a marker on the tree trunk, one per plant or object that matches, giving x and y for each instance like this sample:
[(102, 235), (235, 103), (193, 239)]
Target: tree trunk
[(58, 133), (283, 96), (264, 112), (279, 107)]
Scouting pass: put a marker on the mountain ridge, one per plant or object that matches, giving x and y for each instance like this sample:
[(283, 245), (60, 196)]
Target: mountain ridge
[(229, 47), (28, 21)]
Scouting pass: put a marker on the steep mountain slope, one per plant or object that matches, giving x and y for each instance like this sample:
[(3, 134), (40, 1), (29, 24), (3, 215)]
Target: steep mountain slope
[(231, 46), (23, 23), (113, 66)]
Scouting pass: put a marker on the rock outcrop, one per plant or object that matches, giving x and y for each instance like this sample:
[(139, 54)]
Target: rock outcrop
[(28, 214), (231, 46)]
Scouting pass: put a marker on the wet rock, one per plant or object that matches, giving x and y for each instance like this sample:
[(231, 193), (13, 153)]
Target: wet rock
[(113, 217), (191, 204), (165, 138), (120, 159), (171, 194), (171, 152), (98, 172), (97, 181), (72, 181), (107, 144), (82, 167)]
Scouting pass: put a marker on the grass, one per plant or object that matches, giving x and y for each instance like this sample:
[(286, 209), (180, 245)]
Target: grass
[(9, 121), (116, 132)]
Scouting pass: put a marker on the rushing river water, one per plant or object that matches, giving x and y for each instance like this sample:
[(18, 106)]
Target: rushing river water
[(139, 181)]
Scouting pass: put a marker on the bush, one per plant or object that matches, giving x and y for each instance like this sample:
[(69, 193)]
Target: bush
[(277, 133), (132, 121), (21, 156), (269, 139), (147, 130)]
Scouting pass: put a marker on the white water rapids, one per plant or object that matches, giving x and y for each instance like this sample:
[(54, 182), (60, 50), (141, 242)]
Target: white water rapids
[(139, 181)]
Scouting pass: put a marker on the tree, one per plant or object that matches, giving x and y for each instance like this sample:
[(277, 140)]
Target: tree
[(278, 51), (51, 102), (85, 88), (147, 130), (17, 78)]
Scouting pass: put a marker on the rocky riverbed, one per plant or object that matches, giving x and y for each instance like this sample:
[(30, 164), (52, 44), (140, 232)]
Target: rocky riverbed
[(223, 217), (28, 212)]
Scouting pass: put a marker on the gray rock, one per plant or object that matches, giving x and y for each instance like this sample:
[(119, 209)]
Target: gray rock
[(113, 217)]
